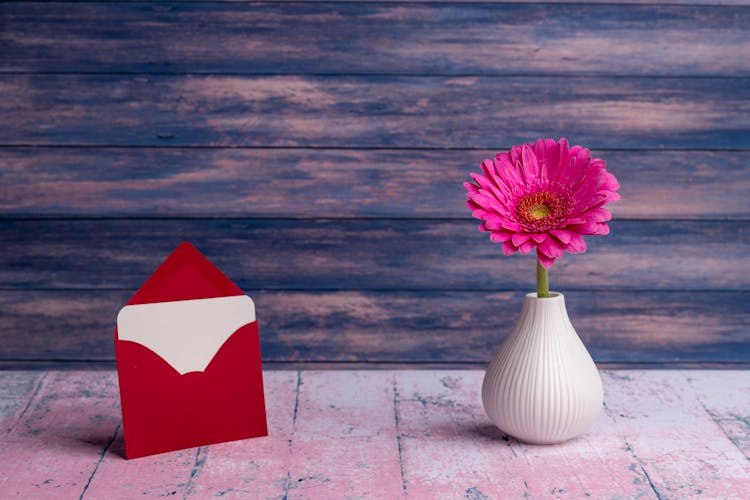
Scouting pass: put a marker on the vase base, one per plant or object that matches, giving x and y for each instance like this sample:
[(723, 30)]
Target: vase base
[(542, 442)]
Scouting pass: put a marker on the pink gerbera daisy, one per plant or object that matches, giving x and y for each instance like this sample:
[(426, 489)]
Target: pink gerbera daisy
[(545, 196)]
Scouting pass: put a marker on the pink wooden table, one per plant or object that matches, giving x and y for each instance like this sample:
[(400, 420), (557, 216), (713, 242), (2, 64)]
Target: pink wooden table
[(386, 434)]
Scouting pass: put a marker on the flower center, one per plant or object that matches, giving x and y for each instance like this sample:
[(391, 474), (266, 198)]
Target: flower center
[(541, 210)]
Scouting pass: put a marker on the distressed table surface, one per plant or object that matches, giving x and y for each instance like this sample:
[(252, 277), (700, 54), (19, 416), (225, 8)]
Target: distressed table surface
[(386, 434)]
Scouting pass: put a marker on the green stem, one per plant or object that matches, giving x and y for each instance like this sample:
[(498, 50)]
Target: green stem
[(542, 281)]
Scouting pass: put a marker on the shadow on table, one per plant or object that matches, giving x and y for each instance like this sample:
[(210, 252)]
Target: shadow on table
[(112, 444), (486, 431)]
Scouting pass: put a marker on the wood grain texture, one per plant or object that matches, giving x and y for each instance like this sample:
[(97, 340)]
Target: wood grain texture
[(351, 428), (669, 434), (315, 151), (436, 38), (55, 446), (17, 388), (402, 327), (386, 434), (312, 183), (726, 401), (374, 111), (367, 254)]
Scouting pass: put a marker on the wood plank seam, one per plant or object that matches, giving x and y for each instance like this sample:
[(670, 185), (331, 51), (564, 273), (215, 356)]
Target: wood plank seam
[(201, 454), (31, 400), (718, 420), (629, 448), (288, 480), (99, 462), (398, 437)]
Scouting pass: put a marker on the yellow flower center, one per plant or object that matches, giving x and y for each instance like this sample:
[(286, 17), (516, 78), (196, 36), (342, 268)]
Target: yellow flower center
[(539, 211)]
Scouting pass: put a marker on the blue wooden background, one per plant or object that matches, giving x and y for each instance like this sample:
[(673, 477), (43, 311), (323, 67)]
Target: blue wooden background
[(315, 152)]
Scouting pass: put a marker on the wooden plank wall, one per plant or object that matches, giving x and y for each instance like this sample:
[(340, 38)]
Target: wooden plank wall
[(315, 152)]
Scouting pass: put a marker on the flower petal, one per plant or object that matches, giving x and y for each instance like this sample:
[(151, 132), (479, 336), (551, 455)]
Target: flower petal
[(600, 214), (511, 226), (551, 248), (498, 236), (588, 227), (508, 248), (485, 201), (527, 247), (610, 196), (530, 165), (516, 159), (558, 160), (481, 181), (610, 182), (506, 170), (493, 222), (562, 235), (548, 158), (545, 261), (573, 171), (539, 237), (576, 244), (488, 168), (519, 239)]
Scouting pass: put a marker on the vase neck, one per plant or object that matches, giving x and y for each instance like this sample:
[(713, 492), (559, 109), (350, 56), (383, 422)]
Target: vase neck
[(555, 300), (549, 310)]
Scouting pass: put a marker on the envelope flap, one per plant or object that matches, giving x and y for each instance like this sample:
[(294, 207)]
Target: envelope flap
[(188, 333), (185, 275)]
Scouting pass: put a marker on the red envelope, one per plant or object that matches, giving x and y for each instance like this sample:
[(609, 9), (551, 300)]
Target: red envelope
[(188, 359)]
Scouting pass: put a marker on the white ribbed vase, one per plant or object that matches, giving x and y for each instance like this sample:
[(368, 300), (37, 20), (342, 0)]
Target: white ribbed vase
[(542, 385)]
